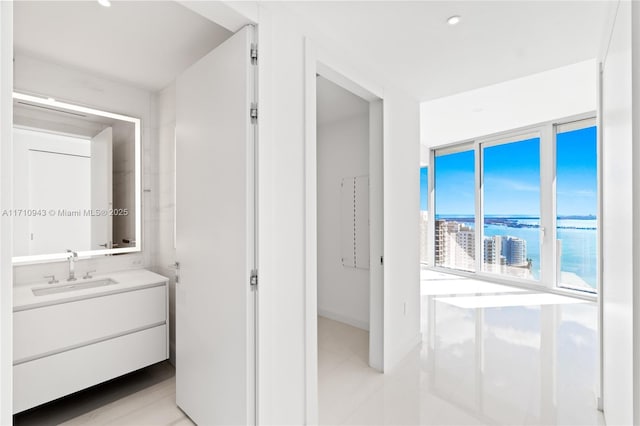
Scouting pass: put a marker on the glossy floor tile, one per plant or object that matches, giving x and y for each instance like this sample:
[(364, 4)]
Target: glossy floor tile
[(144, 397), (525, 360)]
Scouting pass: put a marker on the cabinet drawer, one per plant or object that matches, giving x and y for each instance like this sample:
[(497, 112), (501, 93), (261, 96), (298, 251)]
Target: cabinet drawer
[(49, 329), (44, 379)]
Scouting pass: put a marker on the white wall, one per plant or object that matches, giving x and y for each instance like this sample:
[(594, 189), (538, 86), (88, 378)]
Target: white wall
[(342, 152), (281, 381), (537, 98), (284, 397), (401, 164), (618, 244), (6, 244), (165, 248), (36, 76), (635, 37)]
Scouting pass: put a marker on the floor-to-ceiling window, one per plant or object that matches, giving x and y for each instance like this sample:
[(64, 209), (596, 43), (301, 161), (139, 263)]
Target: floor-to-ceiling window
[(455, 223), (511, 207), (534, 191), (577, 204)]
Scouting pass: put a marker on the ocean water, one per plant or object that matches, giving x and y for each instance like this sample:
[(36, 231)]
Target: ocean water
[(579, 253), (578, 238), (578, 245)]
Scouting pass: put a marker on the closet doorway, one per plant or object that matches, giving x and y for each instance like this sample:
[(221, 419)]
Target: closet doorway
[(348, 236)]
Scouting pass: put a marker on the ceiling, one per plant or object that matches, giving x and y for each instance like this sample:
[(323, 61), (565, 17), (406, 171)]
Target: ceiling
[(143, 43), (411, 44), (148, 43), (334, 103)]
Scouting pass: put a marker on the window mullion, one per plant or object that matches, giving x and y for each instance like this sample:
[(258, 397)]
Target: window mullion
[(431, 208), (547, 207), (479, 228)]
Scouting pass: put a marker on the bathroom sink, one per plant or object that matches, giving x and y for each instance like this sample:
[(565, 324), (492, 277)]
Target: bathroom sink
[(72, 286)]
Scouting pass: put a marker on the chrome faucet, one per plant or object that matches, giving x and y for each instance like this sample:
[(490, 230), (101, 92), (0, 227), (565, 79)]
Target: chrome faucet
[(73, 256)]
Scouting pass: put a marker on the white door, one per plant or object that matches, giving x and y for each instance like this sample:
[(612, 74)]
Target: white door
[(215, 350), (102, 189), (58, 183)]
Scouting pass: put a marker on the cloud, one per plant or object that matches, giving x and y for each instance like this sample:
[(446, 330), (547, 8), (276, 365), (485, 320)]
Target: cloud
[(519, 186), (578, 193), (513, 184)]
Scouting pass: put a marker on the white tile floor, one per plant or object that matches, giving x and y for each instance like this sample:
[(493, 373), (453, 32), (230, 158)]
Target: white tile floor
[(521, 360), (509, 365), (145, 397), (155, 405)]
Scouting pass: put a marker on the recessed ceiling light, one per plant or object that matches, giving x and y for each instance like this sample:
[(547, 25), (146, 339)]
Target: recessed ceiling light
[(453, 20), (105, 3)]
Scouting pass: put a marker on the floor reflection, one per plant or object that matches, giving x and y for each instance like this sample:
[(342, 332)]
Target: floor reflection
[(510, 364), (512, 359)]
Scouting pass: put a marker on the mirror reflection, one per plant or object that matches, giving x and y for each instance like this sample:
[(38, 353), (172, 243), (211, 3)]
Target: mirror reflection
[(75, 182)]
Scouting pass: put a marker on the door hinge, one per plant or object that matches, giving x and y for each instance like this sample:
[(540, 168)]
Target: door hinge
[(176, 267), (253, 281), (253, 113), (382, 260), (254, 54)]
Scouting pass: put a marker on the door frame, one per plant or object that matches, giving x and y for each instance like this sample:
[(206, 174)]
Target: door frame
[(320, 61)]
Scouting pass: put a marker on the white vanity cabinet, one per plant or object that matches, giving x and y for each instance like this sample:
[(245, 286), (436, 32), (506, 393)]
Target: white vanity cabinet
[(70, 341)]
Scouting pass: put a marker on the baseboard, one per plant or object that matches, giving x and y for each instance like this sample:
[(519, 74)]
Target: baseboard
[(344, 319)]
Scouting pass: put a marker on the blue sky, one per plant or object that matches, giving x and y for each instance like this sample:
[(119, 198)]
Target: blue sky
[(512, 178), (455, 183), (424, 187), (577, 177)]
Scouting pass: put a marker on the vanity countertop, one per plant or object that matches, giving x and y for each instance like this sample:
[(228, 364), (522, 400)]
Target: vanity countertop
[(23, 297)]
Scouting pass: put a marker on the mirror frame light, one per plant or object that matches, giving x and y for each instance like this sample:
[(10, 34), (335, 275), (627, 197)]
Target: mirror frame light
[(47, 101)]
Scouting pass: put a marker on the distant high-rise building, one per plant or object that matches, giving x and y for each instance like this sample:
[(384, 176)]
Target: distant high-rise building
[(440, 242), (424, 226), (465, 247), (453, 227), (514, 250), (492, 247), (454, 244)]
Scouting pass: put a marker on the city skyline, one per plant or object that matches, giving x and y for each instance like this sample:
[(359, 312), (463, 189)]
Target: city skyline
[(455, 246)]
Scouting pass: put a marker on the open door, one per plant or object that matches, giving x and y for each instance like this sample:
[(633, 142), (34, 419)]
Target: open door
[(215, 236), (102, 189)]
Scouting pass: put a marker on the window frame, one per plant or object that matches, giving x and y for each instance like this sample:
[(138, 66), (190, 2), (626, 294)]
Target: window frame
[(513, 137), (568, 126), (549, 266), (454, 148)]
